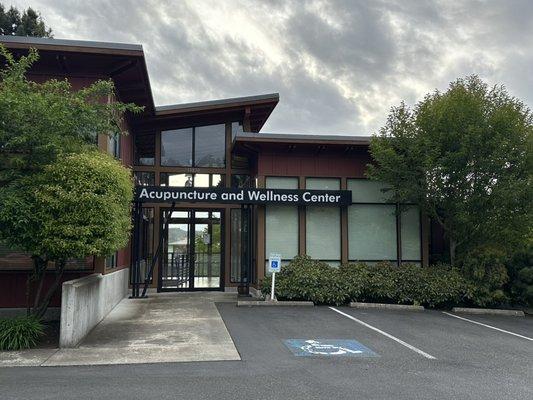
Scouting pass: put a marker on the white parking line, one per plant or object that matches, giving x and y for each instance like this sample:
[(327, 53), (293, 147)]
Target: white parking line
[(488, 326), (385, 334)]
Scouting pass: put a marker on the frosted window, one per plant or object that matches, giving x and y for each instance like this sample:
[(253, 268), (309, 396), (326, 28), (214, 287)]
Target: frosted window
[(323, 232), (372, 232), (410, 228), (367, 191), (281, 222)]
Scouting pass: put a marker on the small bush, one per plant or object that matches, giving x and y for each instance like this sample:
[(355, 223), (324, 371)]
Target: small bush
[(20, 333), (307, 279), (311, 280), (485, 268)]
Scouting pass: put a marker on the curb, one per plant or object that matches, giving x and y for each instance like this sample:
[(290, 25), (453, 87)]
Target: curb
[(403, 307), (252, 303), (488, 311)]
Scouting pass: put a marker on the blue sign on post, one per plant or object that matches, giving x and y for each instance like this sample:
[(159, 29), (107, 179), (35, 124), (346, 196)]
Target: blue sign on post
[(328, 347)]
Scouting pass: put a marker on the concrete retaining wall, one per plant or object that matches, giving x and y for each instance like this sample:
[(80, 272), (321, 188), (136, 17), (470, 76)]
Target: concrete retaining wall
[(86, 301)]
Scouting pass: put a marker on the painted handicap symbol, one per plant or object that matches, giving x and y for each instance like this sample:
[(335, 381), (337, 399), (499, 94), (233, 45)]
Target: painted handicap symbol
[(328, 347), (315, 347)]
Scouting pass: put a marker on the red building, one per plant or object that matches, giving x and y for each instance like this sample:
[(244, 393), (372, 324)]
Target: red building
[(216, 145)]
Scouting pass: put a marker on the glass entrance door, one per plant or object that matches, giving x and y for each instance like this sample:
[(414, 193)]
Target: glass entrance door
[(192, 250)]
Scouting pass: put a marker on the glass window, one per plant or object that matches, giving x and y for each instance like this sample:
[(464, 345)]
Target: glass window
[(176, 180), (236, 245), (201, 180), (410, 234), (217, 180), (281, 222), (282, 231), (323, 183), (323, 233), (144, 148), (210, 146), (111, 260), (241, 181), (323, 224), (113, 145), (190, 180), (372, 232), (143, 178), (367, 191), (176, 147), (275, 182)]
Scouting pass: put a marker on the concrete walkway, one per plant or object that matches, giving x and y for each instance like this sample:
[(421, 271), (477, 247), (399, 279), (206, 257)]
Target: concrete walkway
[(166, 327)]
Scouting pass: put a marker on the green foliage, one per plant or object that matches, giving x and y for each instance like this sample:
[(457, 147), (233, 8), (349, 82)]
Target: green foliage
[(464, 157), (41, 121), (307, 279), (20, 333), (29, 23), (485, 267), (76, 207), (520, 269)]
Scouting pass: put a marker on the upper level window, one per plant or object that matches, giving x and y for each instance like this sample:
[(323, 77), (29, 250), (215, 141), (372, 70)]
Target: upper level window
[(202, 146), (113, 145), (176, 147), (144, 148)]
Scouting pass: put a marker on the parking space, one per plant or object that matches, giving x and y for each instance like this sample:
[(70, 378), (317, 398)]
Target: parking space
[(465, 360)]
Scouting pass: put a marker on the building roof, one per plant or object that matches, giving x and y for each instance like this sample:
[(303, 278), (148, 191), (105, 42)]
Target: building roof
[(67, 44), (126, 64), (295, 138)]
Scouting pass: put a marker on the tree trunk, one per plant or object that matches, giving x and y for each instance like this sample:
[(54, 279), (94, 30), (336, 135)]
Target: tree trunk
[(39, 275), (453, 250), (40, 310)]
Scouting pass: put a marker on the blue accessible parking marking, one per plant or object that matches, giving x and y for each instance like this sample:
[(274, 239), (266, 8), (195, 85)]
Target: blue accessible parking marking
[(328, 347)]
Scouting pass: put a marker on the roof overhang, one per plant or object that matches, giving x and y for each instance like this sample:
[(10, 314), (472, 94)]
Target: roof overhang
[(124, 63), (281, 143)]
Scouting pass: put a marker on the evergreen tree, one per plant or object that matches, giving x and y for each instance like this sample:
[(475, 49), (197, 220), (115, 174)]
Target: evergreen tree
[(29, 23)]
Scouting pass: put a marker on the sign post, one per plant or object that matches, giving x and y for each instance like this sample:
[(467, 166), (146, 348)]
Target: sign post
[(274, 265)]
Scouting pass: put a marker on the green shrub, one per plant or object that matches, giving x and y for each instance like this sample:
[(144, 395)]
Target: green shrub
[(20, 333), (307, 279), (485, 268), (520, 286)]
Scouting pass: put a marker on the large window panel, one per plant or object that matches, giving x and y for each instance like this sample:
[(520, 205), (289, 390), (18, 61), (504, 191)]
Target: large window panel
[(176, 147), (372, 232), (281, 222), (323, 224), (323, 233), (281, 182), (367, 191), (282, 231), (144, 148), (210, 146), (323, 183), (410, 231)]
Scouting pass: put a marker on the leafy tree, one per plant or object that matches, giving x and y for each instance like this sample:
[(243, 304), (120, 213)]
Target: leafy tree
[(39, 121), (29, 24), (76, 207), (464, 156), (46, 130)]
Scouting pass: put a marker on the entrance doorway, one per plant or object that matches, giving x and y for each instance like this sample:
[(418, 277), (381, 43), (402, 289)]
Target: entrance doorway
[(192, 257)]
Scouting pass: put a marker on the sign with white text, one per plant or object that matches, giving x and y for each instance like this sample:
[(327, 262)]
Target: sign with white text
[(165, 194)]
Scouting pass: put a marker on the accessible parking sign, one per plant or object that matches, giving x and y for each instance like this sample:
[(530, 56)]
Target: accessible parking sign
[(328, 347)]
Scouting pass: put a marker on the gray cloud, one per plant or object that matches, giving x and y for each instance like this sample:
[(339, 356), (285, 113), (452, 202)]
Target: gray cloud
[(339, 65)]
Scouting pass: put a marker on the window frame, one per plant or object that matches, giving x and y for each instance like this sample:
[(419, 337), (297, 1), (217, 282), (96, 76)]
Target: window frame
[(193, 147), (399, 260)]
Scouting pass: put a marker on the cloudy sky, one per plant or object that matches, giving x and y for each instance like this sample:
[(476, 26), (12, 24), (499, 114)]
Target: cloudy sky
[(338, 65)]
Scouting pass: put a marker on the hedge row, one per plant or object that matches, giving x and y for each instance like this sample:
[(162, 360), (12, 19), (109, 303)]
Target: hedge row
[(307, 279)]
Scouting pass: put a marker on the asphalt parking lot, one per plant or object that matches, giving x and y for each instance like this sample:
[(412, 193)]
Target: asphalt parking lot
[(417, 355)]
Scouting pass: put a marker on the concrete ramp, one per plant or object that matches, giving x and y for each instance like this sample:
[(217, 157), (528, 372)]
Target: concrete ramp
[(166, 327)]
